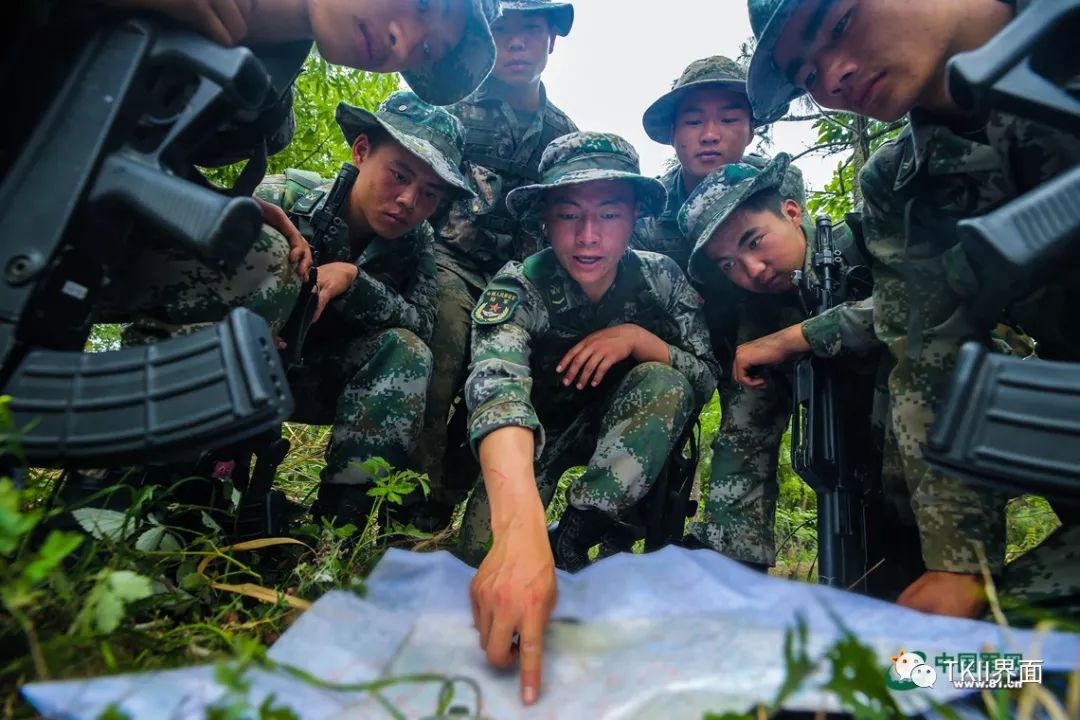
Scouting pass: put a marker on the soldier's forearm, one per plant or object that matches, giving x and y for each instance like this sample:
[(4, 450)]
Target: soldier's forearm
[(506, 461), (649, 348)]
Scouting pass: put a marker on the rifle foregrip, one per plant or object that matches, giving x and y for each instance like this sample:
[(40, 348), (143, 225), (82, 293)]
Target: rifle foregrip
[(215, 227), (200, 391)]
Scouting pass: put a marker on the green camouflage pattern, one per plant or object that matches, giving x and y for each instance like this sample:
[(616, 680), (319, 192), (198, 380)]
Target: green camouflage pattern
[(769, 88), (371, 387), (560, 14), (502, 151), (396, 284), (428, 132), (739, 511), (1046, 576), (473, 241), (166, 292), (623, 443), (461, 70), (584, 157), (366, 366), (717, 197), (915, 189), (716, 71), (662, 234), (625, 426)]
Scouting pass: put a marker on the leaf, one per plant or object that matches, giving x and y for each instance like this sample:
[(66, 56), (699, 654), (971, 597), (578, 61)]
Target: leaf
[(57, 546), (107, 602), (157, 538), (14, 524), (105, 524)]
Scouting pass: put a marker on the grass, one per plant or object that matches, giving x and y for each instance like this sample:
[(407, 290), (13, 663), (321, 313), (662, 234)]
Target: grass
[(139, 591)]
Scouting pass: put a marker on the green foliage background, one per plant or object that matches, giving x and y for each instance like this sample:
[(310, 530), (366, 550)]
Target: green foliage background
[(318, 145)]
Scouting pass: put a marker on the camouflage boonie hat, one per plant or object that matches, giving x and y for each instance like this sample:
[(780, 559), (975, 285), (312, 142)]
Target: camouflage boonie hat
[(461, 70), (768, 85), (428, 132), (560, 14), (717, 71), (718, 196), (582, 157)]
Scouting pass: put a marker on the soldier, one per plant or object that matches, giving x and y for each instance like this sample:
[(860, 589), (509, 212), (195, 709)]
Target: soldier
[(586, 353), (444, 52), (365, 364), (508, 123), (883, 60), (442, 47), (747, 227), (706, 117)]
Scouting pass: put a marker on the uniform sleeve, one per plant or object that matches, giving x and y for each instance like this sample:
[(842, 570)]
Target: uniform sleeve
[(953, 516), (499, 388), (692, 355), (371, 304), (845, 328)]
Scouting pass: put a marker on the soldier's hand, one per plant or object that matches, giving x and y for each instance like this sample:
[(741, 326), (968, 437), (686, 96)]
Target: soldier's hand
[(514, 592), (299, 249), (594, 355), (769, 350), (223, 21), (946, 593), (334, 279)]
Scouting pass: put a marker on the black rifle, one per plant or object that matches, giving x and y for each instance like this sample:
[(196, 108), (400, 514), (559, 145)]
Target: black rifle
[(327, 227), (863, 542), (1009, 422), (109, 165), (823, 451)]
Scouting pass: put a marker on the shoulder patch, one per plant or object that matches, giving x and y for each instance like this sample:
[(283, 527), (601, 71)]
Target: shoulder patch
[(496, 305), (307, 202)]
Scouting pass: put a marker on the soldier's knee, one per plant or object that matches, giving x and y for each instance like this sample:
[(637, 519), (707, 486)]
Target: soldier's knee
[(658, 378), (405, 348)]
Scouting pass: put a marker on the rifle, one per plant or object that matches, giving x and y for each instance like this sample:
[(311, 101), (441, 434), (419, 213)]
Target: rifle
[(1007, 422), (821, 449), (326, 225), (108, 165), (863, 543)]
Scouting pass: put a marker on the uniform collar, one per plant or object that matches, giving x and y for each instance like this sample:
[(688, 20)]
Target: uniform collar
[(564, 294), (933, 148), (676, 193), (492, 90)]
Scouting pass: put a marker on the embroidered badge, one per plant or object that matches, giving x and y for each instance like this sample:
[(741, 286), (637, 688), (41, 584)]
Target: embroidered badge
[(495, 306)]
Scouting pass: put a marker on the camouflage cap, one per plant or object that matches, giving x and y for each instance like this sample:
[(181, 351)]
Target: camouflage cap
[(560, 14), (770, 89), (717, 71), (582, 157), (428, 132), (461, 70), (718, 196)]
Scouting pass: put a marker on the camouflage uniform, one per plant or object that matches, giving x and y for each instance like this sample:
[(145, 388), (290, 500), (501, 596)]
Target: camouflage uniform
[(662, 233), (915, 189), (168, 292), (365, 364), (478, 237), (622, 429), (739, 513)]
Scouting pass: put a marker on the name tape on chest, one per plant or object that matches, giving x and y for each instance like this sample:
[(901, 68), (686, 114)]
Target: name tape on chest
[(496, 305)]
